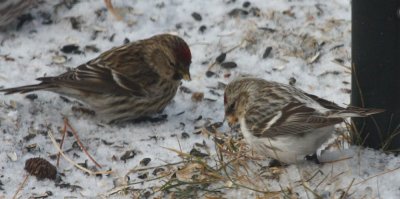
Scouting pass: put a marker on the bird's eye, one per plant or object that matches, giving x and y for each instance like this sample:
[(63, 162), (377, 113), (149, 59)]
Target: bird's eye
[(231, 108), (171, 64)]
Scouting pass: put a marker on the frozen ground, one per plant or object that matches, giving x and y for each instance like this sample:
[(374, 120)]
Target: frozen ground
[(310, 43)]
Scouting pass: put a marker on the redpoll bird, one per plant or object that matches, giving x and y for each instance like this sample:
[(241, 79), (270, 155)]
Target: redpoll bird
[(124, 83), (11, 9), (283, 122)]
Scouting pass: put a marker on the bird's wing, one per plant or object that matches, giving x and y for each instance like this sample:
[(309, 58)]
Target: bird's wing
[(117, 71), (294, 118)]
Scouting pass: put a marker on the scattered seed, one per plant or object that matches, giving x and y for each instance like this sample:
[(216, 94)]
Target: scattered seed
[(197, 153), (146, 194), (32, 96), (71, 48), (185, 89), (46, 18), (336, 47), (345, 90), (185, 135), (220, 58), (160, 5), (128, 155), (210, 73), (314, 58), (255, 11), (271, 30), (238, 12), (229, 65), (196, 16), (267, 52), (289, 13), (198, 118), (329, 73), (101, 14), (158, 170), (292, 81), (72, 187), (111, 39), (76, 23), (216, 125), (198, 132), (145, 161), (143, 175), (92, 48), (320, 10), (59, 59), (210, 100), (31, 147), (180, 113), (213, 127), (214, 93), (178, 26), (13, 156), (338, 60), (246, 4), (197, 96), (29, 137), (202, 28), (105, 142), (75, 155)]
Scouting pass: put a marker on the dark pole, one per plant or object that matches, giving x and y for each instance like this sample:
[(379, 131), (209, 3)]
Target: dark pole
[(376, 71)]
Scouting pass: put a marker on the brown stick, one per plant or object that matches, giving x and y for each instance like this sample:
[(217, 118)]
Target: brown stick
[(21, 186), (110, 8), (64, 131), (80, 143)]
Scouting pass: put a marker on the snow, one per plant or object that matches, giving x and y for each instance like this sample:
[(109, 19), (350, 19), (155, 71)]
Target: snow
[(298, 28)]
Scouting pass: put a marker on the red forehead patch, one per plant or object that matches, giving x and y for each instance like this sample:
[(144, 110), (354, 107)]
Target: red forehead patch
[(225, 100), (184, 54)]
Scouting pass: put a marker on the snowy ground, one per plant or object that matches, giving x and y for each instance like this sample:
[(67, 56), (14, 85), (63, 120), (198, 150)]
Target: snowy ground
[(310, 43)]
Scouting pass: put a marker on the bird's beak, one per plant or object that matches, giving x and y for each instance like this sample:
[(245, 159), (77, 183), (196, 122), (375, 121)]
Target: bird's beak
[(186, 74), (232, 120)]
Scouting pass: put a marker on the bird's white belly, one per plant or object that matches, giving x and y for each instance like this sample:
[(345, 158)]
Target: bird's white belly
[(289, 148)]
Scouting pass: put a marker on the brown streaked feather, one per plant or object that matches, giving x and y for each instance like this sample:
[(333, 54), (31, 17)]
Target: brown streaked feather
[(103, 80), (323, 102), (296, 118)]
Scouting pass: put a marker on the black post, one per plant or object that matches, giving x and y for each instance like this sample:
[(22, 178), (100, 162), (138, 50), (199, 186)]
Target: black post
[(376, 70)]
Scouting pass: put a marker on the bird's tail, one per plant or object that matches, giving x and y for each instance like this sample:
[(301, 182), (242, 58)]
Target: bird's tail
[(354, 112), (26, 89)]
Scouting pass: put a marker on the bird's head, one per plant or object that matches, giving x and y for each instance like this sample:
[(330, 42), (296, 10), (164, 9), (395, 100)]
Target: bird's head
[(235, 99), (177, 56), (183, 58)]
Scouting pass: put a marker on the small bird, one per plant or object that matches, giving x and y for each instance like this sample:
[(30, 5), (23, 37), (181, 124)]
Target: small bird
[(125, 83), (282, 122)]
